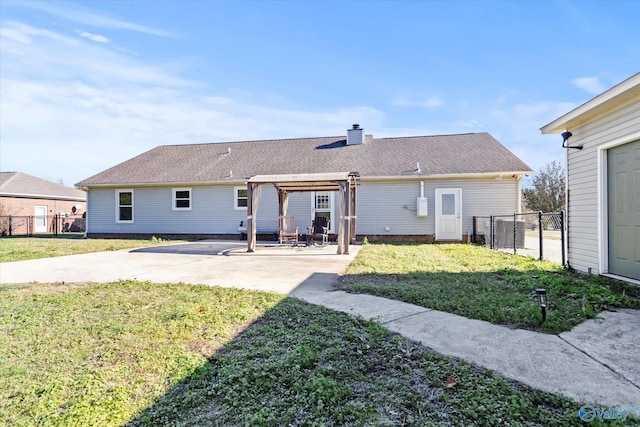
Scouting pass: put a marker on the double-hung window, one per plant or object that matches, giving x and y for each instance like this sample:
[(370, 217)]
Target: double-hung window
[(124, 206), (240, 198), (181, 199)]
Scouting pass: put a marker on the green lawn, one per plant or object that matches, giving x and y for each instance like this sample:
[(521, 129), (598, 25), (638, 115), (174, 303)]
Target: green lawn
[(137, 353), (483, 284), (23, 248)]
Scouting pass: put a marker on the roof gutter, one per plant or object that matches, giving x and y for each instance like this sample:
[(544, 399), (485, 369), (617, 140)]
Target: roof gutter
[(243, 181), (415, 177), (43, 196), (237, 181)]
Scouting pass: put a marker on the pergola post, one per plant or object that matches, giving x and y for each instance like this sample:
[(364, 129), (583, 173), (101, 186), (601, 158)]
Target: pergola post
[(352, 185), (343, 182), (344, 234), (253, 196)]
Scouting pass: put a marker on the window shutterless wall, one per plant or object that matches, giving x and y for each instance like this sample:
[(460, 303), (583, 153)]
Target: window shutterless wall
[(393, 204), (211, 210), (380, 205)]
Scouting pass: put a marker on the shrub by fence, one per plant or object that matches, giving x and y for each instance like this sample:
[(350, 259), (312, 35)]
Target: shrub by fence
[(539, 234)]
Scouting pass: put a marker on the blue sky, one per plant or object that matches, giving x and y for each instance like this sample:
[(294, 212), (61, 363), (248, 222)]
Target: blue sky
[(87, 85)]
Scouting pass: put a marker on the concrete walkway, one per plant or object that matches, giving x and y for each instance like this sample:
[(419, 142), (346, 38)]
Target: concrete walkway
[(597, 362)]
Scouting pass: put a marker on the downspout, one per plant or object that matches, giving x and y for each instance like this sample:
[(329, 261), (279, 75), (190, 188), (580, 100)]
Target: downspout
[(519, 198)]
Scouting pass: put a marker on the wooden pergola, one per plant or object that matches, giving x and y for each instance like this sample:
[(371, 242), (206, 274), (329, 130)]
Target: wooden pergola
[(343, 182)]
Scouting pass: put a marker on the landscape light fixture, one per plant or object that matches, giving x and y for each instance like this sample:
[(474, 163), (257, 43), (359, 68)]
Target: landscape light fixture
[(565, 138), (541, 293)]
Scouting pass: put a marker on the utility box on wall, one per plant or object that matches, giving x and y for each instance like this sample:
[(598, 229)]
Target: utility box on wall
[(422, 206)]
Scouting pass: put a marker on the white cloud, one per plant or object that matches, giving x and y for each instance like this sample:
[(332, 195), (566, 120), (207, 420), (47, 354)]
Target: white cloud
[(470, 124), (72, 12), (14, 35), (46, 55), (94, 37), (589, 84), (22, 33), (430, 102), (83, 108), (79, 130), (532, 110), (433, 101)]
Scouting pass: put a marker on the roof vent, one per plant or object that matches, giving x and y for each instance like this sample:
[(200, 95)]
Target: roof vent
[(355, 135)]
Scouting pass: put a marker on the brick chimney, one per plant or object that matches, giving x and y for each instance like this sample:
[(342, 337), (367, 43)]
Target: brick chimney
[(355, 135)]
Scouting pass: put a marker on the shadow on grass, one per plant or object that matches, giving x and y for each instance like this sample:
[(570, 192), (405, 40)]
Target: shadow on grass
[(506, 296), (302, 364)]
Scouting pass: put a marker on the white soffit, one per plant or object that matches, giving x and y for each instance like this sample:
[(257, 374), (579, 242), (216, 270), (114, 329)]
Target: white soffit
[(618, 96)]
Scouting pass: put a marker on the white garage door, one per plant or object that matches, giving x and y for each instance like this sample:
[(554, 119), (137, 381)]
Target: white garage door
[(623, 166)]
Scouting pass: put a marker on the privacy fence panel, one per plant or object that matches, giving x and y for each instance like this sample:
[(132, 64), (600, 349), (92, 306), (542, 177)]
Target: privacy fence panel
[(538, 234)]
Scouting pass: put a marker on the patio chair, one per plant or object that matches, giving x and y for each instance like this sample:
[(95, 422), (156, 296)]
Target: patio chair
[(319, 230), (288, 230)]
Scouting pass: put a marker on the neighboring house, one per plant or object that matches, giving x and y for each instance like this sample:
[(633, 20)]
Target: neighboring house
[(604, 181), (33, 202), (423, 188)]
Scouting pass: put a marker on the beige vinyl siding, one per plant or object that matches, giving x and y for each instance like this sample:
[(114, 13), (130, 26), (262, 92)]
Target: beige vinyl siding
[(584, 240)]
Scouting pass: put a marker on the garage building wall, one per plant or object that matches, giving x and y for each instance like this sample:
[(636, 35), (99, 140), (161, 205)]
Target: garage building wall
[(586, 173)]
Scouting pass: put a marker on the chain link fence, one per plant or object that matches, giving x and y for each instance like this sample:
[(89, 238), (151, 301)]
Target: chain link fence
[(27, 225), (537, 234)]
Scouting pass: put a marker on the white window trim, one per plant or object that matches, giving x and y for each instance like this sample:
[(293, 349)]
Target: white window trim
[(332, 223), (174, 198), (235, 199), (124, 190)]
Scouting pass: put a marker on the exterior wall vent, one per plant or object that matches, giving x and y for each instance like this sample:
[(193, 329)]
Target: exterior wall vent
[(355, 135)]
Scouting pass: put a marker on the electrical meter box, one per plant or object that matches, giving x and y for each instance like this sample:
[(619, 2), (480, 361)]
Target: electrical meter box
[(421, 204)]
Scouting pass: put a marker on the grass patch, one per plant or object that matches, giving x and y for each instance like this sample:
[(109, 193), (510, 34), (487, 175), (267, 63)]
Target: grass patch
[(137, 353), (483, 284), (23, 248), (97, 354)]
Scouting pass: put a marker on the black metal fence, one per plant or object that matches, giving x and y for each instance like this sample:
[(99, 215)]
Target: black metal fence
[(28, 225), (538, 234)]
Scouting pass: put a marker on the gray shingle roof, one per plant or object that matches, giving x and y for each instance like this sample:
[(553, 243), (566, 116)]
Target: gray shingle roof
[(473, 153), (17, 184)]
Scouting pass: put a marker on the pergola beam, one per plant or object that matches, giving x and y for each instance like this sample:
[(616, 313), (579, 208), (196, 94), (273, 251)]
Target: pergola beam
[(344, 182)]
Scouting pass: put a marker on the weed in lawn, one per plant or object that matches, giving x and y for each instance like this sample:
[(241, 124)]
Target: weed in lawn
[(479, 283), (97, 354), (123, 353), (306, 365)]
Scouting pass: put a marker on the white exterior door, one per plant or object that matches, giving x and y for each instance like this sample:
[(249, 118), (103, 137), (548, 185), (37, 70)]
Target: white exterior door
[(322, 205), (40, 219), (448, 214)]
